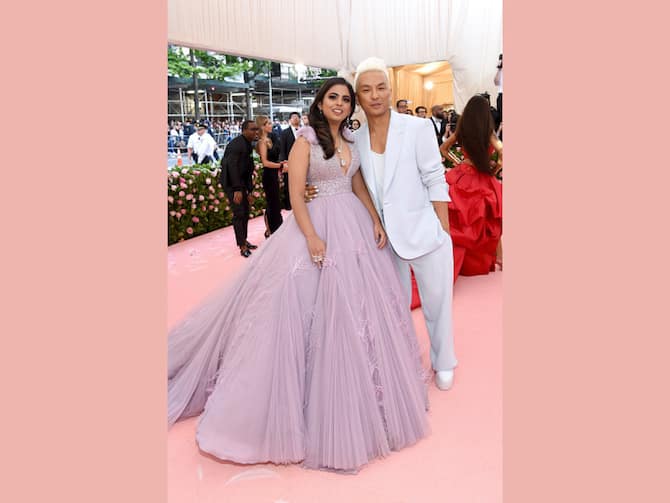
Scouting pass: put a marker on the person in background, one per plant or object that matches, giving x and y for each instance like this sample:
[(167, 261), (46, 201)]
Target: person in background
[(287, 138), (438, 121), (268, 149), (305, 120), (201, 146), (475, 210), (421, 111), (452, 120), (498, 81), (188, 128), (237, 169), (401, 106)]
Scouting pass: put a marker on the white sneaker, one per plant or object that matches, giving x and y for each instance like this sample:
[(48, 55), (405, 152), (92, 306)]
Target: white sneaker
[(444, 379)]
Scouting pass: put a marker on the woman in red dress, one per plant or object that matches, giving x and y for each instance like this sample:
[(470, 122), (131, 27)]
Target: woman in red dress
[(475, 210)]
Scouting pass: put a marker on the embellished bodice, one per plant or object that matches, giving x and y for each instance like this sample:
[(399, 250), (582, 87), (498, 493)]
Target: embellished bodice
[(327, 174)]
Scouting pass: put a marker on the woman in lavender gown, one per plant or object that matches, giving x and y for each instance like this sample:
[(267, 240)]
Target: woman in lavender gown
[(310, 355)]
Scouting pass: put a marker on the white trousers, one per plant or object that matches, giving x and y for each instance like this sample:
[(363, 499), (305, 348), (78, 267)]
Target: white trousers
[(434, 274)]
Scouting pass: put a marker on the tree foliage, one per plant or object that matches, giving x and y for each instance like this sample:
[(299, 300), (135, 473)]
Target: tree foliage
[(210, 65)]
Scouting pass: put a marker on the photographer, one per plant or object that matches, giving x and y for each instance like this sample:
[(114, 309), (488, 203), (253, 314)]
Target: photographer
[(498, 81)]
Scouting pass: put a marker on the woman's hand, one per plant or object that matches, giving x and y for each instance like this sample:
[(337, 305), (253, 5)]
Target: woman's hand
[(317, 250), (380, 235)]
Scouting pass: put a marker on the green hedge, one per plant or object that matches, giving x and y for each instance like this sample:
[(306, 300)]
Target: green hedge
[(195, 194)]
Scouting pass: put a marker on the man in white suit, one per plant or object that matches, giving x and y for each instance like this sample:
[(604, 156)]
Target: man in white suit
[(402, 168)]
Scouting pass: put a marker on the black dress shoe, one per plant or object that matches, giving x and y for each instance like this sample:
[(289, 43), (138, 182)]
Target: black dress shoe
[(245, 253), (250, 246)]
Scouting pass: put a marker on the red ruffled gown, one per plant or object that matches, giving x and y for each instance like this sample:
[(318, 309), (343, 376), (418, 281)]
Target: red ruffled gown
[(475, 221)]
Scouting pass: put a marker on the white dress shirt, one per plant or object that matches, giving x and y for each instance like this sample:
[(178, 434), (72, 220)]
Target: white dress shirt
[(378, 167)]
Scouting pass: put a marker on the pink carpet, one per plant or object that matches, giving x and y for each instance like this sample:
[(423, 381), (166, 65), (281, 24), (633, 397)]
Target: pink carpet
[(460, 462)]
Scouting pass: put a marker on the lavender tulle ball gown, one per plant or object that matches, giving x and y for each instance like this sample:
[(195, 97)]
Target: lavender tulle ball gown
[(293, 363)]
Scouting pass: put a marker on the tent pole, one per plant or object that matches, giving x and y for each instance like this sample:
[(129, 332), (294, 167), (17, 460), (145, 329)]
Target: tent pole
[(195, 87)]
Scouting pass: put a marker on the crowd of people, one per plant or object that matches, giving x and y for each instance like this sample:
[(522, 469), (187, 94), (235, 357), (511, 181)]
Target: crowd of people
[(221, 130), (319, 324)]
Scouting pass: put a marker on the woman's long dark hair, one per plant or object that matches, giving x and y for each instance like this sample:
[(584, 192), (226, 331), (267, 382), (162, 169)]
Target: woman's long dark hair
[(474, 130), (320, 123)]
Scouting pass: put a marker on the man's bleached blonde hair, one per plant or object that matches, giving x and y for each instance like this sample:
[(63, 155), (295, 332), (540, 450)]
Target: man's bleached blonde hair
[(368, 65)]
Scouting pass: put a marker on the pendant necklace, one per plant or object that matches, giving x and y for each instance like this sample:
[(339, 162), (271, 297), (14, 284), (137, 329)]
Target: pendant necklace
[(343, 163)]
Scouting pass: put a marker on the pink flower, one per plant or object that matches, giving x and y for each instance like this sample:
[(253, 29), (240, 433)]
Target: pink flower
[(220, 194), (196, 172), (195, 220), (211, 196), (183, 211), (193, 206), (208, 181), (256, 194), (201, 198), (178, 216), (189, 230), (173, 213), (211, 189), (173, 187), (179, 201), (183, 186), (184, 171), (170, 199), (216, 210), (182, 180), (204, 207), (182, 193), (216, 201), (210, 207), (189, 197), (175, 174), (190, 182)]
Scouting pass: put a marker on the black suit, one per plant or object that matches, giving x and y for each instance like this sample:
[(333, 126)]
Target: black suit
[(237, 170), (439, 132), (286, 140)]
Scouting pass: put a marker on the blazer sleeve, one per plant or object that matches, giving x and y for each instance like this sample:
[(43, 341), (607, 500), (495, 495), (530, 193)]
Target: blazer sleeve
[(283, 140), (429, 162)]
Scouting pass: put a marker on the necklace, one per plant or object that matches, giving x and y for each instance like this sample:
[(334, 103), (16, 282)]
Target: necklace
[(338, 149)]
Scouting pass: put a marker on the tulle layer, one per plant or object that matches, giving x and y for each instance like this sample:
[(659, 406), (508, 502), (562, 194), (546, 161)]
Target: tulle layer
[(293, 363)]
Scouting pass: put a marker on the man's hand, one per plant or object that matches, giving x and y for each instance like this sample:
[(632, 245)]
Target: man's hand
[(311, 191), (442, 210), (237, 197)]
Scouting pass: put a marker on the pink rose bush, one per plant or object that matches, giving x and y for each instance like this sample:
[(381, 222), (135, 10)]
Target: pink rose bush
[(197, 203)]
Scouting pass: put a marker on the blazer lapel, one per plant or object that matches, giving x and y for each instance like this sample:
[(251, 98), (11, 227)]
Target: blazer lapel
[(393, 148)]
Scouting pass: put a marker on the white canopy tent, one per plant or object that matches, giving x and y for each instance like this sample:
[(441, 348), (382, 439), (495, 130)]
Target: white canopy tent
[(339, 34)]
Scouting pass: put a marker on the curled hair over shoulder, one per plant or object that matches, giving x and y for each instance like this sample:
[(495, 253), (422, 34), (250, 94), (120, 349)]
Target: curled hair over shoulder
[(319, 123), (474, 130)]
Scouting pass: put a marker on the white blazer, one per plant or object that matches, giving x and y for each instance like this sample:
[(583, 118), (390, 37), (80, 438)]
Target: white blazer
[(413, 177)]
